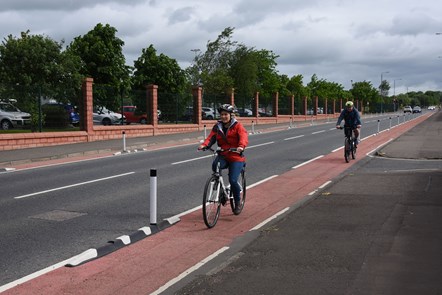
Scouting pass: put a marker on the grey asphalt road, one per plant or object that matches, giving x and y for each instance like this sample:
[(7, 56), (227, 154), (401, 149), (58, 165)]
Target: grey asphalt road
[(376, 230)]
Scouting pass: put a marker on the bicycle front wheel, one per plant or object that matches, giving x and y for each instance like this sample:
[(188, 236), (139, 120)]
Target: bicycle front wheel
[(242, 195), (211, 202), (347, 151), (353, 150)]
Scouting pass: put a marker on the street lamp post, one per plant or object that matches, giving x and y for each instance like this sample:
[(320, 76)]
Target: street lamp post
[(380, 91), (394, 94)]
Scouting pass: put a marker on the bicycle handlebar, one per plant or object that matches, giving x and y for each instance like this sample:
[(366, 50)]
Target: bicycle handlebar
[(219, 150)]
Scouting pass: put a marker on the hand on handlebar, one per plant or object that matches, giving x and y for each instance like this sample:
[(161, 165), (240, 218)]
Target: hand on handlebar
[(202, 147)]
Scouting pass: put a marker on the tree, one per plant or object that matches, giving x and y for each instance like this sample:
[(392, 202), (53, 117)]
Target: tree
[(365, 91), (101, 55), (33, 67), (163, 71)]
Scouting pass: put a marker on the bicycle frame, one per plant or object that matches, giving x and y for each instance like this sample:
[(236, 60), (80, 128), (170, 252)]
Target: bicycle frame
[(349, 147)]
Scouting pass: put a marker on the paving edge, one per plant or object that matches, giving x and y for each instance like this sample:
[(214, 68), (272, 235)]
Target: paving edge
[(121, 242)]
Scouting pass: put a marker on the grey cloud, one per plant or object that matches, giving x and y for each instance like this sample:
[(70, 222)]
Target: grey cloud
[(63, 5), (180, 15)]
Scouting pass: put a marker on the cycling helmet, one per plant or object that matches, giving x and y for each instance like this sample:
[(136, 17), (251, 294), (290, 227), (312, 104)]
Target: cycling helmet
[(349, 104), (226, 108)]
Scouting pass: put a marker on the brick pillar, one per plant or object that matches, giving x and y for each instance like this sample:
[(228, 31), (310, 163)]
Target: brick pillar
[(340, 105), (362, 107), (292, 106), (232, 97), (304, 101), (315, 108), (256, 105), (275, 104), (326, 106), (334, 106), (197, 104), (86, 112), (152, 105)]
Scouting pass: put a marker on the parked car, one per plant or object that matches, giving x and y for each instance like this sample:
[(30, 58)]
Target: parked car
[(431, 108), (245, 112), (102, 115), (134, 115), (59, 114), (12, 117), (408, 109), (209, 113), (417, 109)]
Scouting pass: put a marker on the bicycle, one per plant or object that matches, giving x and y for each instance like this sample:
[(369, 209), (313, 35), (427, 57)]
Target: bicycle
[(350, 144), (216, 193)]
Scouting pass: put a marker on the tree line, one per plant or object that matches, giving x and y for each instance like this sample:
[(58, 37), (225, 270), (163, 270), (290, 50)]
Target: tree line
[(35, 66)]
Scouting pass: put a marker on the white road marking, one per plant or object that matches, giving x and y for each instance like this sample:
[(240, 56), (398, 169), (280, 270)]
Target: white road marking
[(325, 184), (378, 147), (309, 161), (261, 181), (199, 158), (289, 138), (318, 132), (189, 271), (91, 253), (72, 185), (270, 219)]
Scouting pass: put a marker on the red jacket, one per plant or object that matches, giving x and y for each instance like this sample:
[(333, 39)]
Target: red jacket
[(236, 136)]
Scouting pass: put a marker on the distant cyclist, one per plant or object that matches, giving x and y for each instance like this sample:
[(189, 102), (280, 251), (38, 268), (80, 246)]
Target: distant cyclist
[(352, 119), (229, 133)]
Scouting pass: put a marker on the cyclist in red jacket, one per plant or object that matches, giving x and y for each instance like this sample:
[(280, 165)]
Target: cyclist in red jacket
[(229, 133)]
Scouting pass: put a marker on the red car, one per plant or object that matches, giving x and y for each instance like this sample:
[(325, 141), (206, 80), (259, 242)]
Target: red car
[(133, 115)]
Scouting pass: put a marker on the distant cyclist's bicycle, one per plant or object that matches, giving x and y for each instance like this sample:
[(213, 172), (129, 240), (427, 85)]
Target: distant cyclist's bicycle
[(350, 144), (216, 193)]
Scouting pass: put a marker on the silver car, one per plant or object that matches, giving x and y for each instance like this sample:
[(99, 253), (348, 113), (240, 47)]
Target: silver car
[(104, 116), (12, 117)]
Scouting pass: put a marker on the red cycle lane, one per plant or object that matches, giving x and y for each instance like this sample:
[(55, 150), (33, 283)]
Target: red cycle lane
[(149, 264)]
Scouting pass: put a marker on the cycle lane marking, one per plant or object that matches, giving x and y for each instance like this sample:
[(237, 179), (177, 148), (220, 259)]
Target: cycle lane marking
[(208, 156), (294, 137), (72, 185), (307, 162)]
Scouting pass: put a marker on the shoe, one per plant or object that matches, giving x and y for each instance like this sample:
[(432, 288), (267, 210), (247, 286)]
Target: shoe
[(223, 200), (237, 209)]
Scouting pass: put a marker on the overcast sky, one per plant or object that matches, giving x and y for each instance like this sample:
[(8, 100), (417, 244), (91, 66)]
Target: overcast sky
[(338, 40)]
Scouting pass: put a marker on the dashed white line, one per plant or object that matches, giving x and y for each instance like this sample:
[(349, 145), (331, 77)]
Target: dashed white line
[(261, 181), (258, 145), (325, 184), (294, 137), (189, 271), (270, 219), (309, 161), (72, 185), (318, 132)]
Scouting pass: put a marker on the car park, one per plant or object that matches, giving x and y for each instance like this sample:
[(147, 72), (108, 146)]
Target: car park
[(408, 109), (60, 114), (245, 112), (417, 109), (12, 117), (103, 116)]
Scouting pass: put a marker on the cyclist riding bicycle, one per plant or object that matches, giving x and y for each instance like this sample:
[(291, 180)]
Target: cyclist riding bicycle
[(352, 119), (229, 133)]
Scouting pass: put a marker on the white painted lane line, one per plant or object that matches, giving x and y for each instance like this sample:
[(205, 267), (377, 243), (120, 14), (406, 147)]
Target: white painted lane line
[(189, 271), (91, 253), (190, 160), (378, 147), (199, 158), (261, 181), (318, 132), (309, 161), (335, 150), (332, 128), (325, 184), (72, 185), (290, 138), (258, 145), (270, 219)]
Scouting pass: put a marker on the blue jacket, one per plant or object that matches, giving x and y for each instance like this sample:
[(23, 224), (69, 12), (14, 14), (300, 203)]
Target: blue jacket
[(351, 118)]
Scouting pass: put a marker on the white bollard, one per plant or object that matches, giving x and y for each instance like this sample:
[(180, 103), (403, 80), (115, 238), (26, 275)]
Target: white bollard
[(205, 131), (398, 119), (124, 141), (390, 124), (253, 127), (379, 124), (153, 196)]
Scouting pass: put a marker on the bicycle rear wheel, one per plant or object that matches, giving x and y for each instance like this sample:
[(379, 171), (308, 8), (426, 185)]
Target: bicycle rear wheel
[(347, 151), (242, 195), (211, 202)]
